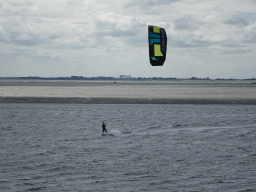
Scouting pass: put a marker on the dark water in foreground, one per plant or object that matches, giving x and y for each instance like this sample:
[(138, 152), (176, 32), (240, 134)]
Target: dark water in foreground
[(59, 147)]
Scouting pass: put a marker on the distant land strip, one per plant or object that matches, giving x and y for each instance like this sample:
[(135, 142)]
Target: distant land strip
[(116, 100)]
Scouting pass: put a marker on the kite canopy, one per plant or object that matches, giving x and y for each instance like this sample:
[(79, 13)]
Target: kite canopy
[(157, 41)]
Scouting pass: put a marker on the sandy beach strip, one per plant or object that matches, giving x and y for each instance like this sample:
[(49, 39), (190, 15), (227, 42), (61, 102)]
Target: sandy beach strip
[(128, 95)]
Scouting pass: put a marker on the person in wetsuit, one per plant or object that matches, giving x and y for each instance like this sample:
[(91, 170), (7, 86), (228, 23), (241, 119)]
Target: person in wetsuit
[(104, 127)]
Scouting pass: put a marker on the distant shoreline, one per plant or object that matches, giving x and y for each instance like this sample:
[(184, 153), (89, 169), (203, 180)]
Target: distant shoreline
[(127, 92), (114, 100)]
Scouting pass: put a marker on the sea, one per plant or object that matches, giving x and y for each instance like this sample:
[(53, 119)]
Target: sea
[(60, 147)]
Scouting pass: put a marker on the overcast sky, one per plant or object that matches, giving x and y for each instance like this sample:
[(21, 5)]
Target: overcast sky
[(90, 38)]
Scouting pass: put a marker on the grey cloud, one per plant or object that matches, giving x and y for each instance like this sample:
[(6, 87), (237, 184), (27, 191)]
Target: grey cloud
[(4, 36), (128, 30), (253, 40), (112, 30), (190, 43), (187, 23), (12, 8), (236, 51), (139, 39), (148, 3), (190, 23), (231, 45), (250, 16), (237, 20), (55, 36), (16, 4), (250, 39), (31, 39), (34, 9), (132, 38), (119, 26), (181, 44), (201, 43), (114, 33)]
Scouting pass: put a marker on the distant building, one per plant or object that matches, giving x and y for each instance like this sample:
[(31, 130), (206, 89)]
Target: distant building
[(125, 77)]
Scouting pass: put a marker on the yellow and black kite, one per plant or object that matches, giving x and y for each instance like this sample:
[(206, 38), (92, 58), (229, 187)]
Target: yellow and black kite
[(157, 41)]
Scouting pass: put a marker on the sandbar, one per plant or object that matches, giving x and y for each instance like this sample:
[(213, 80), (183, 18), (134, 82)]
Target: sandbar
[(128, 94)]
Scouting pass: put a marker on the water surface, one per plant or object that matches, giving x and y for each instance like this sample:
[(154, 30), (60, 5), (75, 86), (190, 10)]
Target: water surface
[(59, 147)]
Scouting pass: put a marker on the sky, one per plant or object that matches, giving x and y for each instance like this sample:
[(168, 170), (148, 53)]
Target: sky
[(91, 38)]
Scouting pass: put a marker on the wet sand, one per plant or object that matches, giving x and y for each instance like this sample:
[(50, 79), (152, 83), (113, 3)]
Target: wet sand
[(128, 94), (105, 100)]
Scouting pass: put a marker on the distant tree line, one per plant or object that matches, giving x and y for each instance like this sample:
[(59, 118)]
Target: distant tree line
[(122, 77)]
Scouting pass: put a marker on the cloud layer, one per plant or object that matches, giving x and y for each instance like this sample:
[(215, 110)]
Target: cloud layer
[(102, 35)]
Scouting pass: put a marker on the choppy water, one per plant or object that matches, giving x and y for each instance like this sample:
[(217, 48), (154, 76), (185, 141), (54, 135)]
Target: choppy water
[(148, 147)]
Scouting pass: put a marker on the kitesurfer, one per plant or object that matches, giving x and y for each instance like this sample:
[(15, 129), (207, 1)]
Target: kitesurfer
[(104, 127)]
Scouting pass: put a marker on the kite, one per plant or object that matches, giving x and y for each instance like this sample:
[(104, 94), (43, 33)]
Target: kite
[(157, 41)]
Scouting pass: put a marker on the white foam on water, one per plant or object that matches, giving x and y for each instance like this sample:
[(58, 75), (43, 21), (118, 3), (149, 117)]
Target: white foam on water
[(115, 132)]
